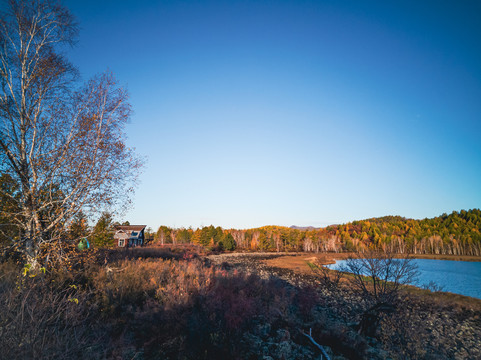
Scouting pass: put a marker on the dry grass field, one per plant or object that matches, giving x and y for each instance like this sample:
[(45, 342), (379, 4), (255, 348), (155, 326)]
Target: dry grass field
[(299, 261)]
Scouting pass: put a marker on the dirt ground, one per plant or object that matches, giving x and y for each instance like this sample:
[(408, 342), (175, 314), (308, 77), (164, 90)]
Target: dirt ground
[(298, 263)]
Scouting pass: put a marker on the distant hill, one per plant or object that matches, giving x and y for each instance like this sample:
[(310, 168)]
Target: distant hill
[(458, 233)]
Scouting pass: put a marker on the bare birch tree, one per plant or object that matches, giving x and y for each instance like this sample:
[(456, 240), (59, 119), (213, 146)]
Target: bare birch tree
[(62, 143)]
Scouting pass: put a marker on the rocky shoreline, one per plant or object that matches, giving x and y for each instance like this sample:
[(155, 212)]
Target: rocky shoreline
[(422, 326)]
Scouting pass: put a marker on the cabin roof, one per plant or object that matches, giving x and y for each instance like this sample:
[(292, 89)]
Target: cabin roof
[(130, 227)]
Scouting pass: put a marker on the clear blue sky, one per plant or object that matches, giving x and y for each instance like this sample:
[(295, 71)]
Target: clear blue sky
[(294, 112)]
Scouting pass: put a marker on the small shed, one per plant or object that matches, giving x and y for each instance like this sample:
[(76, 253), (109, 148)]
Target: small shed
[(129, 235)]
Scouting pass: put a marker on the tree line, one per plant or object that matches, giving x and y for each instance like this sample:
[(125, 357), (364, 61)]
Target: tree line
[(458, 233)]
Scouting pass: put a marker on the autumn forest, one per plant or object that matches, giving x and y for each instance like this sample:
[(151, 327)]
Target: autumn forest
[(458, 233)]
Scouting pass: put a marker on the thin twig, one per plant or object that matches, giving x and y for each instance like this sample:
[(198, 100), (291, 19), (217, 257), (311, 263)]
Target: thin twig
[(323, 352)]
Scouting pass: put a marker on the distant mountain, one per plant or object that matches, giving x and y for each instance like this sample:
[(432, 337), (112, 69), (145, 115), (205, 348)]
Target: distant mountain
[(304, 227)]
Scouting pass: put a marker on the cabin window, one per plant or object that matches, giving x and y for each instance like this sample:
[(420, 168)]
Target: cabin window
[(121, 242)]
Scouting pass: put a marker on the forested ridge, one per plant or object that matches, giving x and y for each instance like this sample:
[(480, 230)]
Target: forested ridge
[(458, 233)]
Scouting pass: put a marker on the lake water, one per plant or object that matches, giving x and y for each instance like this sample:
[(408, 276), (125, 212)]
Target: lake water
[(460, 277)]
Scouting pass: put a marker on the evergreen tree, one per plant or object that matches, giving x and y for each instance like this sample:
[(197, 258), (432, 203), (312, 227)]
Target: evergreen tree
[(229, 242), (103, 231)]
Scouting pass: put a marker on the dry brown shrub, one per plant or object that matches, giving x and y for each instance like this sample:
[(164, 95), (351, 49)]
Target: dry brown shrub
[(41, 319), (132, 282)]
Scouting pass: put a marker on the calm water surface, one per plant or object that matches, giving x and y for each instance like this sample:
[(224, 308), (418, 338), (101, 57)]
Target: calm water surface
[(460, 277)]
